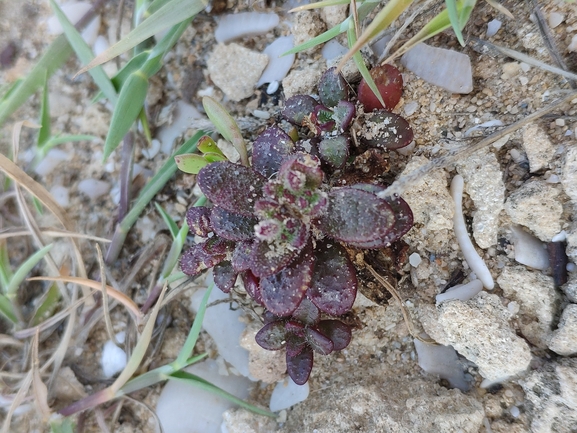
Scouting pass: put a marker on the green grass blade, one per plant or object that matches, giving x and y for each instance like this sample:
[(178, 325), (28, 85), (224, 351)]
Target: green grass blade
[(358, 58), (47, 307), (226, 126), (44, 131), (153, 7), (9, 89), (321, 4), (52, 59), (167, 16), (5, 271), (24, 269), (7, 310), (61, 425), (172, 227), (60, 139), (188, 346), (85, 54), (130, 102), (199, 382), (454, 19)]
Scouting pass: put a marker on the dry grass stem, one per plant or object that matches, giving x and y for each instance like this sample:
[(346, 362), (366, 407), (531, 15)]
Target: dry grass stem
[(38, 387), (105, 306), (50, 232)]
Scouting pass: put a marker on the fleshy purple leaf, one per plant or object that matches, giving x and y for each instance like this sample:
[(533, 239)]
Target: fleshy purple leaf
[(306, 164), (231, 186), (344, 114), (307, 313), (198, 220), (386, 130), (294, 345), (269, 149), (355, 216), (295, 328), (203, 256), (338, 332), (319, 342), (297, 107), (322, 120), (241, 256), (334, 150), (224, 276), (283, 292), (333, 88), (299, 367), (334, 283), (232, 226), (272, 336), (251, 285)]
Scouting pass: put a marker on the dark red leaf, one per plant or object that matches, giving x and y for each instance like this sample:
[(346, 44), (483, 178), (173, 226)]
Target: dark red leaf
[(298, 107), (337, 332), (386, 130), (299, 367), (231, 186), (283, 292), (241, 256), (251, 285), (232, 226), (301, 163), (333, 88), (344, 114), (307, 313), (198, 220), (334, 283), (224, 276), (355, 216), (269, 149), (201, 257), (294, 345), (272, 336), (295, 328), (322, 120), (389, 82), (319, 342)]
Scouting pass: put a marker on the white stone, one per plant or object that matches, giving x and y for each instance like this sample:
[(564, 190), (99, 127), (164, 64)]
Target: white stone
[(564, 339), (538, 147), (61, 195), (535, 205), (448, 69), (573, 45), (410, 108), (225, 328), (52, 160), (224, 64), (569, 178), (493, 27), (479, 330), (484, 184), (278, 65), (442, 361), (287, 393), (238, 25), (93, 188), (302, 81), (113, 359), (265, 365), (184, 408), (415, 259), (462, 292), (529, 250), (239, 420), (181, 118), (555, 18), (333, 49), (537, 298), (305, 26), (74, 11)]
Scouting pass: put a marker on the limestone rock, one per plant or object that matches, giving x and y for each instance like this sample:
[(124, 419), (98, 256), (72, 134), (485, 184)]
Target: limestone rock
[(302, 81), (484, 184), (334, 15), (572, 244), (389, 404), (564, 339), (479, 330), (537, 299), (224, 65), (538, 147), (569, 179), (570, 288), (266, 365), (551, 397), (242, 421), (535, 205), (307, 25)]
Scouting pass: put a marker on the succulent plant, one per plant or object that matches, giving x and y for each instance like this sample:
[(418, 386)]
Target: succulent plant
[(283, 223)]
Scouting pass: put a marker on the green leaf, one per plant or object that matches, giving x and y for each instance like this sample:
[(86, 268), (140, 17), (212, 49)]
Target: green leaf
[(61, 425), (5, 271), (226, 126), (44, 131), (214, 157), (172, 227), (84, 53), (167, 16), (199, 382), (454, 19), (7, 310), (24, 269), (48, 306), (321, 4), (52, 59), (130, 102), (207, 144), (190, 163)]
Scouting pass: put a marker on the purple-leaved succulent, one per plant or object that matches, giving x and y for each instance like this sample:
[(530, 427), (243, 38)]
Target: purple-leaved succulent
[(283, 226)]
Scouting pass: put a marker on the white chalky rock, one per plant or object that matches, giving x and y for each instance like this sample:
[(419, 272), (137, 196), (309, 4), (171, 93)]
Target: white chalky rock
[(302, 81), (570, 288), (306, 25), (448, 69), (479, 330), (287, 393), (239, 420), (93, 188), (224, 66), (442, 361), (113, 359), (52, 160), (555, 18), (529, 250), (569, 178), (224, 326), (538, 147), (564, 339), (235, 26), (537, 299), (462, 292), (535, 205), (334, 15), (184, 408), (278, 65), (265, 365), (61, 195), (484, 184)]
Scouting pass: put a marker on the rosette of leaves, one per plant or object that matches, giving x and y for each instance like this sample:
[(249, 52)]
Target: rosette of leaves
[(281, 227)]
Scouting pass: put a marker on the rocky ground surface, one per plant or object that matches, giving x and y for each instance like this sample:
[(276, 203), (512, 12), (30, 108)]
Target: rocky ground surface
[(514, 342)]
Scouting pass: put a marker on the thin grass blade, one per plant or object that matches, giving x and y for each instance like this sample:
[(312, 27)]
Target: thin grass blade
[(454, 18), (85, 54), (167, 16), (44, 131), (5, 271), (48, 306), (321, 4), (7, 310), (172, 227), (199, 382), (24, 269)]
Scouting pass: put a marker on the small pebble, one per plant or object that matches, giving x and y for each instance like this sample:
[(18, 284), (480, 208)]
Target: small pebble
[(93, 188), (560, 122), (415, 259), (287, 394), (61, 195), (113, 358), (555, 19), (515, 412), (410, 108), (272, 87), (261, 114), (493, 27)]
